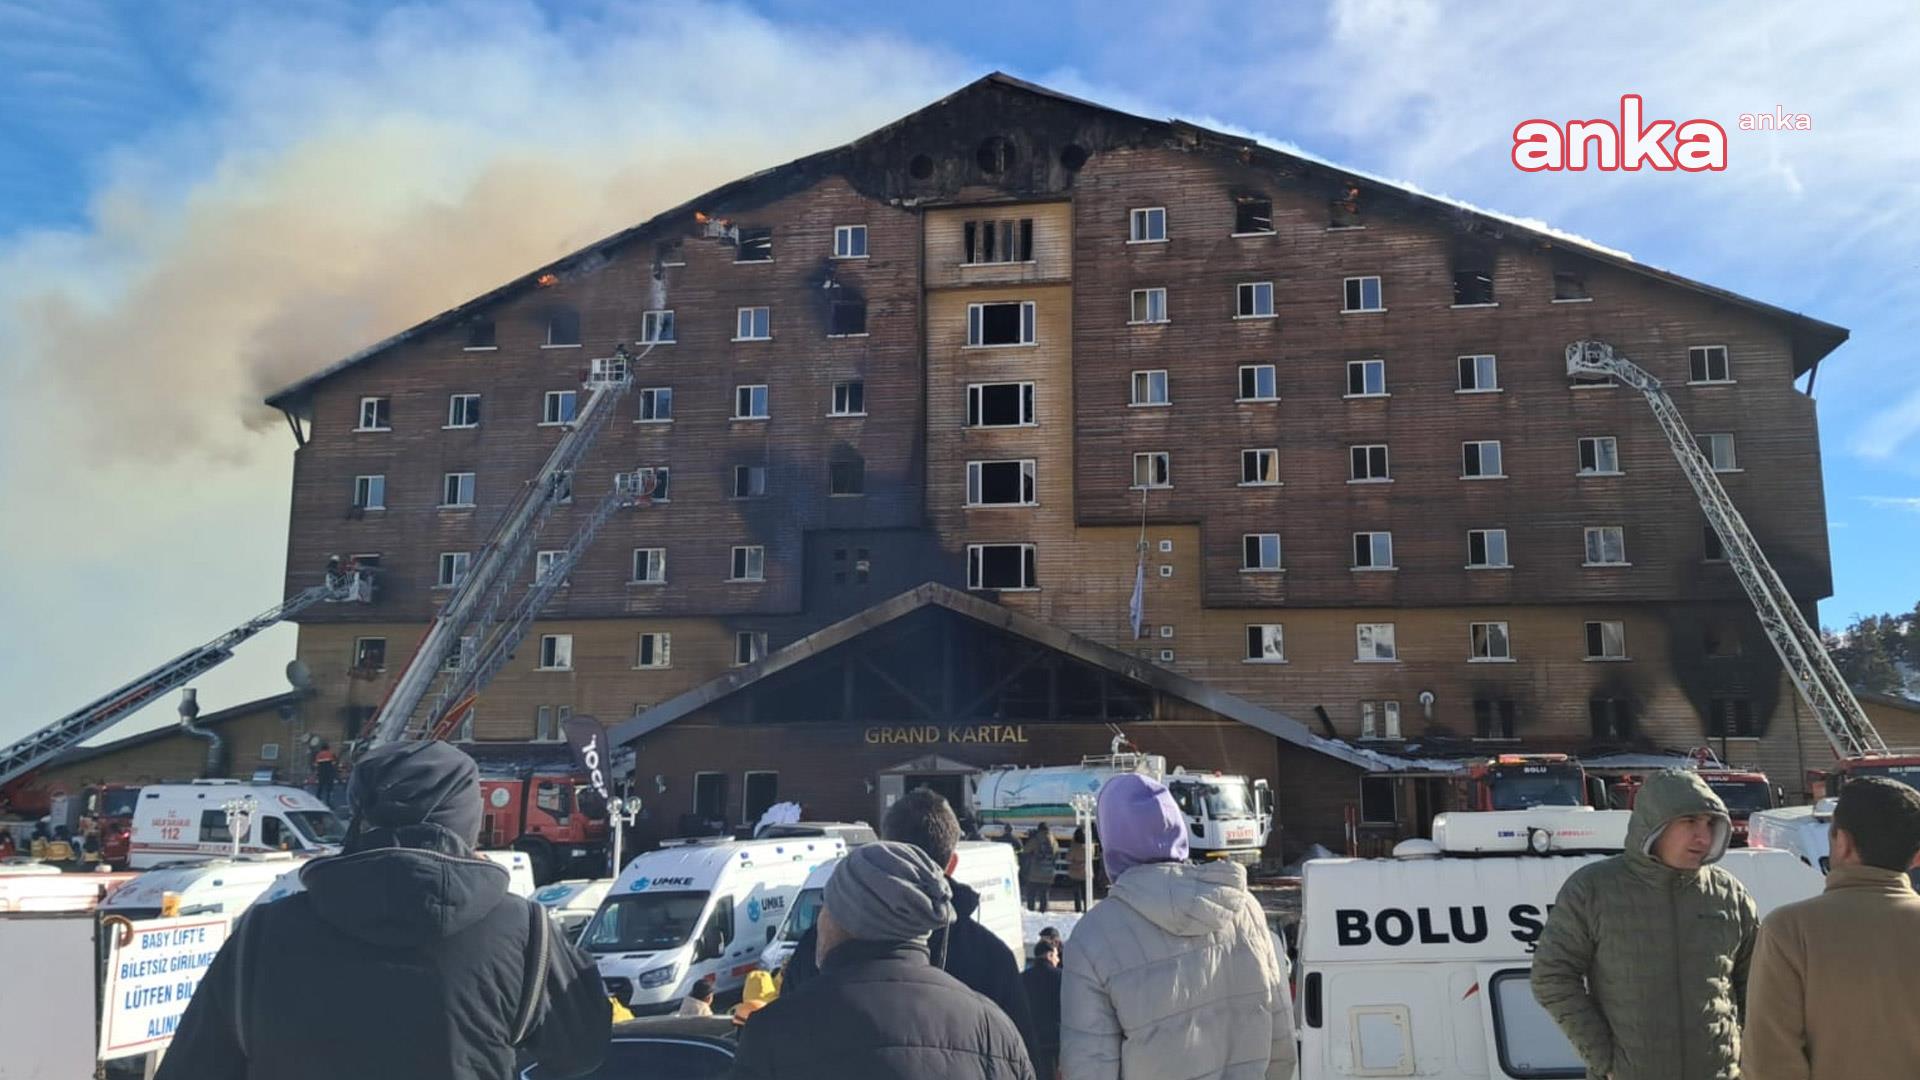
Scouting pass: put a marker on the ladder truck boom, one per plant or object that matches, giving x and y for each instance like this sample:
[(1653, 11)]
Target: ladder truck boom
[(479, 595), (48, 743), (1814, 675)]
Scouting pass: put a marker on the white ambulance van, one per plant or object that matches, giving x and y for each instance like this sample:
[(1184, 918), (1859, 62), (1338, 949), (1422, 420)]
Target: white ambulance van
[(990, 869), (572, 903), (1418, 965), (186, 823), (214, 886), (517, 864), (1798, 830), (700, 909)]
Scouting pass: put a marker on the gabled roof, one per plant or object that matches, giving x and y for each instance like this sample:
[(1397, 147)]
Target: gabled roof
[(1812, 338), (159, 734), (933, 594)]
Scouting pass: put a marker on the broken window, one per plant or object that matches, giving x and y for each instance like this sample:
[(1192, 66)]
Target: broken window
[(1379, 803), (1260, 551), (1259, 467), (480, 335), (1001, 483), (1731, 718), (1715, 551), (456, 489), (1611, 719), (1253, 300), (1009, 323), (1606, 640), (749, 563), (1343, 210), (1373, 551), (649, 566), (1001, 566), (1606, 546), (1366, 378), (1570, 283), (1153, 469), (749, 481), (1486, 547), (376, 414), (653, 482), (656, 404), (370, 654), (1472, 275), (1266, 643), (749, 646), (1363, 294), (656, 328), (1150, 388), (1493, 719), (1000, 404), (655, 651), (1258, 383), (756, 245), (1479, 374), (563, 329), (1252, 215), (370, 492), (558, 407), (1367, 463), (1481, 459), (1708, 363), (848, 318), (849, 398), (1006, 240), (847, 477)]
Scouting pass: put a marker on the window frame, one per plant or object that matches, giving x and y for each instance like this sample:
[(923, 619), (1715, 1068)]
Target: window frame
[(1029, 324), (1140, 306), (1591, 531), (382, 408), (1256, 649), (1029, 567), (1365, 366), (1271, 456), (652, 321), (753, 235), (662, 649), (359, 653), (1240, 295), (649, 399), (1353, 290), (1596, 631), (742, 566), (1386, 464), (461, 563), (1466, 362), (841, 398), (656, 558), (1709, 444), (1161, 457), (556, 653), (749, 318), (1703, 375), (457, 408), (1145, 376), (838, 476), (1242, 202), (1598, 441), (976, 483), (452, 482), (547, 402), (1486, 546), (557, 320), (1273, 373), (1139, 225), (843, 245), (1256, 544), (1483, 636), (756, 647), (749, 473), (1362, 631), (547, 556), (757, 393), (368, 483), (1479, 459), (1374, 539), (1028, 407)]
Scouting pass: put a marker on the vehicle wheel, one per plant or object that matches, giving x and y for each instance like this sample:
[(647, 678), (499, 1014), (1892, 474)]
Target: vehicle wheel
[(540, 859)]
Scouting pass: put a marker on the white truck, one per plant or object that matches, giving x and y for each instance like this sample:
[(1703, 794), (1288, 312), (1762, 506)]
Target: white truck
[(188, 823), (1801, 831), (1418, 965), (1230, 816), (990, 869), (700, 909)]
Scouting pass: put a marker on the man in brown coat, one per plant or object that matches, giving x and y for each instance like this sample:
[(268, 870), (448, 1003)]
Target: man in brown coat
[(1835, 978)]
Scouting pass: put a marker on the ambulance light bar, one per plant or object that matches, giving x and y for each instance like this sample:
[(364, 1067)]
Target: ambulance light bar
[(1542, 830)]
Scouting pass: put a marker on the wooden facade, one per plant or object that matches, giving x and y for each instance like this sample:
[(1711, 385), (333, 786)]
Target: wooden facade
[(1067, 176)]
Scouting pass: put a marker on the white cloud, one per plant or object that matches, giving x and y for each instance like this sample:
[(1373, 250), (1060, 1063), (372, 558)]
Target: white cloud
[(1909, 503), (1889, 429), (342, 185)]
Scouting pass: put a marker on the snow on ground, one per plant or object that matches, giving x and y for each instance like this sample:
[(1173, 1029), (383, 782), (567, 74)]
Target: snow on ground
[(1032, 922)]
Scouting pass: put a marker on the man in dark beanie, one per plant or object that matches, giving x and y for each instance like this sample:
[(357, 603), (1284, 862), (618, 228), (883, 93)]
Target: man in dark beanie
[(1835, 978), (879, 1009), (439, 972)]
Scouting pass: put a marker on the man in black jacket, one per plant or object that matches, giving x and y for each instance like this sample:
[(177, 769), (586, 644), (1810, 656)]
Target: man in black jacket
[(972, 954), (405, 956), (879, 1009), (1042, 979)]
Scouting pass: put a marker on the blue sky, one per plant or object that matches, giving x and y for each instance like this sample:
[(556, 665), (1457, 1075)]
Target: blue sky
[(200, 202)]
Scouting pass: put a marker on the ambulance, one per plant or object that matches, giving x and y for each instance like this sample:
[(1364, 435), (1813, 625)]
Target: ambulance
[(188, 823), (518, 866), (1418, 965), (224, 886), (701, 909), (990, 869), (29, 886), (572, 903)]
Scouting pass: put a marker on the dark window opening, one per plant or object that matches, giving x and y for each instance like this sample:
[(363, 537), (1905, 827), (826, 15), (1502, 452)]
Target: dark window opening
[(847, 478), (1493, 719), (995, 155), (1343, 210), (1003, 241), (749, 481), (763, 789), (1731, 717), (710, 796), (1000, 405), (1710, 543), (1002, 566), (480, 334), (1720, 642), (1000, 324), (1253, 215), (563, 328), (1073, 156), (370, 654), (756, 245), (849, 317), (1570, 284), (1379, 804), (1004, 483), (1473, 285), (1611, 719)]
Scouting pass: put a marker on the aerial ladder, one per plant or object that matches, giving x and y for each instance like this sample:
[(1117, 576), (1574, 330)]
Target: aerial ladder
[(1813, 672), (344, 583), (475, 631)]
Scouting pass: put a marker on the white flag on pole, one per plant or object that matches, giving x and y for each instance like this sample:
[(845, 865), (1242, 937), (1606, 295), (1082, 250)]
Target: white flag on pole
[(1137, 606)]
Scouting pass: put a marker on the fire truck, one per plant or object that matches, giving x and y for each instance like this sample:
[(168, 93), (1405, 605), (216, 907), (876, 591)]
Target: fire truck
[(1743, 790), (1524, 781), (555, 817), (1901, 766)]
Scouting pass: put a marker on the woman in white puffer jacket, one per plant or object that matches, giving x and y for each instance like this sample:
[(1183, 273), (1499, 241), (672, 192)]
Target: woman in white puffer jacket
[(1173, 976)]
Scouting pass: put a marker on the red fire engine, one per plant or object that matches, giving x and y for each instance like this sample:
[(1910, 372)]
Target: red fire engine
[(555, 817), (1522, 781)]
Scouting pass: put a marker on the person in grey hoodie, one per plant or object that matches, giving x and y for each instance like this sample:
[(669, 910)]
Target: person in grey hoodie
[(1173, 976)]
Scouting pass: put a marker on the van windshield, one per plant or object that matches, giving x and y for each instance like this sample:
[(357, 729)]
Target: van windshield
[(806, 911), (641, 922), (318, 826)]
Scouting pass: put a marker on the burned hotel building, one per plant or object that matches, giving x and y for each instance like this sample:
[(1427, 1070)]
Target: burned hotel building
[(920, 408)]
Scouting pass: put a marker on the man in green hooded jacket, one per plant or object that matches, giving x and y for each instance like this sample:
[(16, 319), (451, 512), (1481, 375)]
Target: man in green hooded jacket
[(1643, 962)]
